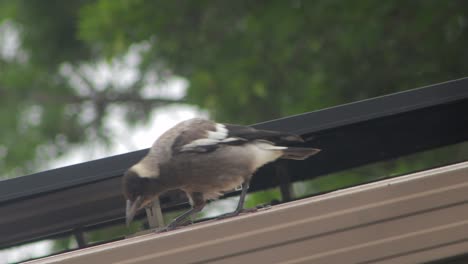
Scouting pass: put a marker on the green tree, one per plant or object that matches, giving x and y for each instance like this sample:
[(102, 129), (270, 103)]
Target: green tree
[(254, 60), (246, 61)]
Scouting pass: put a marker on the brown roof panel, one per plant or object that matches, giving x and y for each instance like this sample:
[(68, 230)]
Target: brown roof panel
[(410, 219)]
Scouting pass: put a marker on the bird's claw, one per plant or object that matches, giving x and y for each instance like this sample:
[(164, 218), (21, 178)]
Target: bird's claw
[(165, 229), (169, 227), (161, 230), (235, 213)]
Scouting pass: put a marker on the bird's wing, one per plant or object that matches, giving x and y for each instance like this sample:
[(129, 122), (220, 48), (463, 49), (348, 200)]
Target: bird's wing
[(197, 135), (200, 135), (250, 133)]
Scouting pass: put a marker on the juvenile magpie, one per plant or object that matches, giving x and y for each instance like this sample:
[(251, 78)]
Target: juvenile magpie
[(205, 159)]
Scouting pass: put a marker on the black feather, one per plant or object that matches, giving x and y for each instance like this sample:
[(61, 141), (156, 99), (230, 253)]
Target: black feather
[(250, 133)]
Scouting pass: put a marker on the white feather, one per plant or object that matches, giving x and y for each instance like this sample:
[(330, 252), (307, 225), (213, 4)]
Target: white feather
[(220, 133), (200, 142), (264, 152), (267, 145), (143, 171), (222, 128), (213, 138), (230, 139)]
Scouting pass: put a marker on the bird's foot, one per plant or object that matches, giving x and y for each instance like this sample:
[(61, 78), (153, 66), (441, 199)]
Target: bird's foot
[(165, 229), (161, 230), (236, 212), (174, 225)]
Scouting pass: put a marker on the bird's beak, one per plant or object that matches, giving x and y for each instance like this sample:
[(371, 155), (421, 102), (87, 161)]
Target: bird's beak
[(131, 209)]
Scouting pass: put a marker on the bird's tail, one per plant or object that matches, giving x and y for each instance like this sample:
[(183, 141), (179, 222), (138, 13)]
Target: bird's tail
[(297, 153)]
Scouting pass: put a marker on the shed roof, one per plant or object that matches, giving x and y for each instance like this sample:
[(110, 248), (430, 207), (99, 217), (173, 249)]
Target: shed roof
[(410, 219)]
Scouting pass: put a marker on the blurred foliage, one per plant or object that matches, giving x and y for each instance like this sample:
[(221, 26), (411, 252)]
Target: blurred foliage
[(111, 232), (249, 61), (246, 61), (64, 243), (383, 169), (262, 198)]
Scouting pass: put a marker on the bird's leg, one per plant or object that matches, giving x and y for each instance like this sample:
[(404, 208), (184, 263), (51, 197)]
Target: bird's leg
[(240, 204), (198, 204)]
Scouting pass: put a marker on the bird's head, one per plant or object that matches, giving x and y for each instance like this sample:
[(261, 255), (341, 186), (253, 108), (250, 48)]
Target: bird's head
[(139, 191)]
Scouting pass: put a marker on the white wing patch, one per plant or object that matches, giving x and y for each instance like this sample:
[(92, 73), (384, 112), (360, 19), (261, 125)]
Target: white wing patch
[(220, 133), (231, 139), (212, 138), (200, 143)]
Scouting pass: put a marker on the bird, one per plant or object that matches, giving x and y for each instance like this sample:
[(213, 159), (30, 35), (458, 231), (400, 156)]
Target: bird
[(205, 159)]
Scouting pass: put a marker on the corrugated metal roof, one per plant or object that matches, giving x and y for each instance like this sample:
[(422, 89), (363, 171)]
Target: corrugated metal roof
[(410, 219)]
